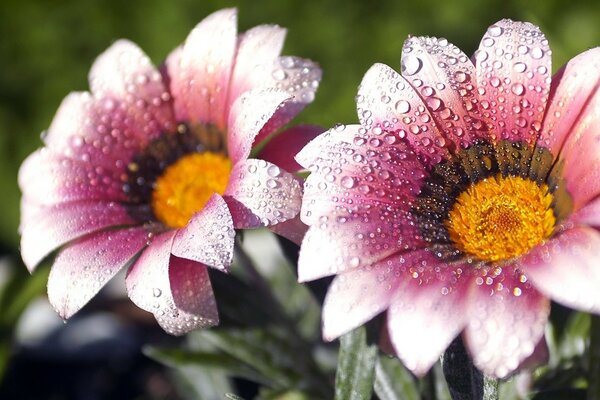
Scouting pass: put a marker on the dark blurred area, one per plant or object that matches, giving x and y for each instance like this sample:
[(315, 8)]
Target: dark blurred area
[(46, 50)]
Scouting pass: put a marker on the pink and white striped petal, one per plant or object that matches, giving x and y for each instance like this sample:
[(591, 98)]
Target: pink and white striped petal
[(445, 78), (386, 102), (126, 73), (56, 225), (209, 236), (48, 178), (506, 320), (83, 268), (566, 268), (257, 50), (429, 310), (262, 194), (249, 114), (513, 65), (282, 148), (356, 296), (573, 88), (351, 166), (177, 291), (200, 71)]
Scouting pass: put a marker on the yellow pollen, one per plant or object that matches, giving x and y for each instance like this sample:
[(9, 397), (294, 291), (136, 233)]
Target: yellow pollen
[(185, 186), (501, 217)]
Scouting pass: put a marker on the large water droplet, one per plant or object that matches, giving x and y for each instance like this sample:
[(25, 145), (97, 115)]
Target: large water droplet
[(403, 106), (411, 64)]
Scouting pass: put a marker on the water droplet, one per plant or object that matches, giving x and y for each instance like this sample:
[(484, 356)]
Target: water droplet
[(156, 292), (518, 89), (520, 67), (495, 30), (403, 106), (411, 64), (279, 74), (348, 182), (537, 53)]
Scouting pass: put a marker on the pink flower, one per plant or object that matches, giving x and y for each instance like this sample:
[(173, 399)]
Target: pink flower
[(154, 168), (465, 200)]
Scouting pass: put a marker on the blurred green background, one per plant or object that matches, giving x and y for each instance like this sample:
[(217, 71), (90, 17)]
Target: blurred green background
[(47, 47)]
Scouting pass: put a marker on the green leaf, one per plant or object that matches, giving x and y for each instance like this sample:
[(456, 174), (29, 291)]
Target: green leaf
[(356, 366), (393, 381)]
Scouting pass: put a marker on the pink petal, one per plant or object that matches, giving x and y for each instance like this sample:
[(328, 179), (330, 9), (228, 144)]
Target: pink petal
[(581, 156), (387, 102), (47, 178), (209, 236), (100, 132), (177, 291), (507, 320), (445, 78), (540, 356), (258, 49), (292, 229), (429, 310), (56, 225), (126, 73), (587, 215), (282, 148), (299, 78), (200, 71), (566, 268), (356, 296), (349, 240), (248, 116), (262, 194), (513, 80), (84, 267), (572, 89), (351, 166)]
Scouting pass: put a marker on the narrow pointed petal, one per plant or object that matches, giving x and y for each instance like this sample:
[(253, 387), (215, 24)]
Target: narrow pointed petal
[(262, 194), (209, 236), (506, 321), (357, 296), (445, 78), (573, 88), (248, 116), (56, 225), (177, 291), (513, 79), (348, 241), (387, 102), (126, 73), (566, 268), (258, 48), (83, 268), (351, 167), (282, 148), (200, 71), (48, 178), (428, 311)]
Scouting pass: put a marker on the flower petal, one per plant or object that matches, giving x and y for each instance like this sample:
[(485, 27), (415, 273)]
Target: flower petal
[(507, 320), (56, 225), (125, 72), (513, 79), (248, 116), (428, 311), (351, 166), (588, 215), (282, 148), (262, 194), (387, 102), (84, 267), (356, 296), (349, 240), (566, 268), (47, 178), (209, 236), (257, 50), (444, 76), (200, 71), (572, 88), (177, 291), (292, 229)]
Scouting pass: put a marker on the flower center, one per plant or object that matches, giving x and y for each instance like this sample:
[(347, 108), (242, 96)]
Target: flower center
[(501, 217), (186, 185)]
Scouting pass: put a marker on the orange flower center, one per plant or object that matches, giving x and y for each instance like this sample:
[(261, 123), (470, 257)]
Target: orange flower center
[(501, 217), (185, 186)]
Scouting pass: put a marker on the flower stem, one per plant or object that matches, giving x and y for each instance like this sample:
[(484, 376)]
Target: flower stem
[(593, 392)]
